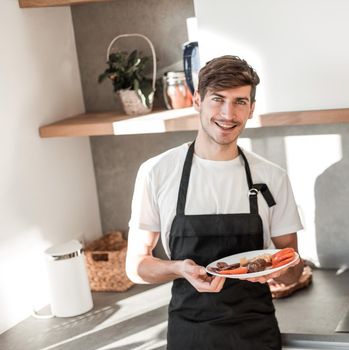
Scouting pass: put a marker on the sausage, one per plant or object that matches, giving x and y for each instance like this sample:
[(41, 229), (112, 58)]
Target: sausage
[(222, 264), (257, 265)]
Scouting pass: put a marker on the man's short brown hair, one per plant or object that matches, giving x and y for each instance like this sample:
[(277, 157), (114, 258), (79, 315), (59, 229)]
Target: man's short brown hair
[(227, 72)]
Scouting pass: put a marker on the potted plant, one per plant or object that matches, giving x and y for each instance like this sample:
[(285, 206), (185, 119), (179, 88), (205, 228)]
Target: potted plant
[(126, 73)]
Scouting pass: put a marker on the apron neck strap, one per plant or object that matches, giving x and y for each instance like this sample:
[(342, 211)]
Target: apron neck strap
[(253, 188), (183, 188), (247, 168)]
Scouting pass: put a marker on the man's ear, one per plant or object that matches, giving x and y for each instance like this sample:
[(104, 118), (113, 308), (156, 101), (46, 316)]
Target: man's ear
[(197, 101), (252, 110)]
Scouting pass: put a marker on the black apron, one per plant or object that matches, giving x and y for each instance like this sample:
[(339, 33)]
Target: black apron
[(241, 316)]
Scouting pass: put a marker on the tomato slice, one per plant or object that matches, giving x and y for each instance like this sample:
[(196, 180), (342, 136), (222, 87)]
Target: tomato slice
[(280, 258), (283, 251), (283, 262)]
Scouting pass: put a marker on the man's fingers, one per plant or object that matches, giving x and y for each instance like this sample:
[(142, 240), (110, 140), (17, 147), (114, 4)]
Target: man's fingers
[(208, 278), (201, 285), (194, 269), (208, 284), (221, 283), (199, 279), (197, 271), (217, 283), (202, 271)]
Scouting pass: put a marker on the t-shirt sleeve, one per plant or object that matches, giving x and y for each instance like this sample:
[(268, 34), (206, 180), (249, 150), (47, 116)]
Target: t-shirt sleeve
[(144, 208), (284, 215)]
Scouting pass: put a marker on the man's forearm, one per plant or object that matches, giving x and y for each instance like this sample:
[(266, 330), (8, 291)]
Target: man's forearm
[(148, 269)]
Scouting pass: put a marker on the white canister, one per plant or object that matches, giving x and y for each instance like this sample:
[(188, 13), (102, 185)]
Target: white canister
[(68, 281)]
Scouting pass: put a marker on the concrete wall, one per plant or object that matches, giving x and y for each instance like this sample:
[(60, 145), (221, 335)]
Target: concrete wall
[(95, 25), (117, 159), (47, 186)]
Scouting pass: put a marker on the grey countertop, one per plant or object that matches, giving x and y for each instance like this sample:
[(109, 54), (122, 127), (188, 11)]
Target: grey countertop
[(312, 314), (137, 319)]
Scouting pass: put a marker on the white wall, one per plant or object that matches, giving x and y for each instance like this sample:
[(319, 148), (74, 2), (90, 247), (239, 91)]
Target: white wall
[(47, 186), (297, 47), (300, 53)]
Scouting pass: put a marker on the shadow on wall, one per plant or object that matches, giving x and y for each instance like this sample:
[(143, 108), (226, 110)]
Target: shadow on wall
[(331, 212)]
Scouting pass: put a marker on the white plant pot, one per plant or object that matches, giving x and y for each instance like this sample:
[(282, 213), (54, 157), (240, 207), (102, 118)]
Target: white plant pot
[(132, 103)]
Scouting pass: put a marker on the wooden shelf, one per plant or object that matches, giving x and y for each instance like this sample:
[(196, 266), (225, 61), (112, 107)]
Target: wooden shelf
[(97, 124), (323, 116), (94, 124), (49, 3)]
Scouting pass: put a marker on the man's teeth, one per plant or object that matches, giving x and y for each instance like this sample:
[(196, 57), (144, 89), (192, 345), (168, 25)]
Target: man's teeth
[(225, 125)]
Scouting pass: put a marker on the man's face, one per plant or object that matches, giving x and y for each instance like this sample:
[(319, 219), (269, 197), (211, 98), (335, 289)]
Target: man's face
[(223, 114)]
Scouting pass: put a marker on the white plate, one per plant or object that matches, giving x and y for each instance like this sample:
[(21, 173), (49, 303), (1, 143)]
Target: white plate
[(232, 259)]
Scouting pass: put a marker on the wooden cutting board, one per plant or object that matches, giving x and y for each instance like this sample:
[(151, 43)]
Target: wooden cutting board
[(284, 291)]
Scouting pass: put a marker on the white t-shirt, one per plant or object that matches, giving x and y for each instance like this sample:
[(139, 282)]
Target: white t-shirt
[(215, 187)]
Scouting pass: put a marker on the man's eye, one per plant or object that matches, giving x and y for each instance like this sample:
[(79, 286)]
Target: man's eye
[(241, 102), (217, 99)]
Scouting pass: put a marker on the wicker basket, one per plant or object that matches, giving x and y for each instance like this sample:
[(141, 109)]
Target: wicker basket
[(131, 102), (105, 260)]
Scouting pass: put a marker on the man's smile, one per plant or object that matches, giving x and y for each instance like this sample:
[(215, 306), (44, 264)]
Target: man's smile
[(225, 125)]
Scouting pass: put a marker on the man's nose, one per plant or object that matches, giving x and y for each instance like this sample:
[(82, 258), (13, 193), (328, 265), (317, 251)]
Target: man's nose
[(228, 110)]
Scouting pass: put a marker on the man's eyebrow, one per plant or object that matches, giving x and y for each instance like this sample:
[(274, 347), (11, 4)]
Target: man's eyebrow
[(243, 98), (218, 94), (239, 98)]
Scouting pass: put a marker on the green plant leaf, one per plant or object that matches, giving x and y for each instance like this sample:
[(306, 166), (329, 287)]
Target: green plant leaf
[(127, 72), (136, 85), (147, 91), (102, 77), (132, 58)]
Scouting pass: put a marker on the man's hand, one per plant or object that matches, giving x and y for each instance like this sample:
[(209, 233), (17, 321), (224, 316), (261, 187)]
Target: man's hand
[(271, 276), (143, 267), (197, 277), (289, 274)]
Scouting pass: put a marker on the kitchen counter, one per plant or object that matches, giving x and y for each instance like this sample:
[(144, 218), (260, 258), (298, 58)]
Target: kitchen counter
[(137, 319), (311, 315)]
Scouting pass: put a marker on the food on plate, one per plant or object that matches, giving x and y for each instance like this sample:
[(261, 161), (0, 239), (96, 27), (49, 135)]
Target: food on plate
[(243, 261), (283, 257), (256, 264), (259, 263), (223, 266), (238, 271)]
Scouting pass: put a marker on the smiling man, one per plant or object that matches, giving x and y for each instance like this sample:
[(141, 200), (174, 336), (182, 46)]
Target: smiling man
[(208, 199), (223, 117)]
